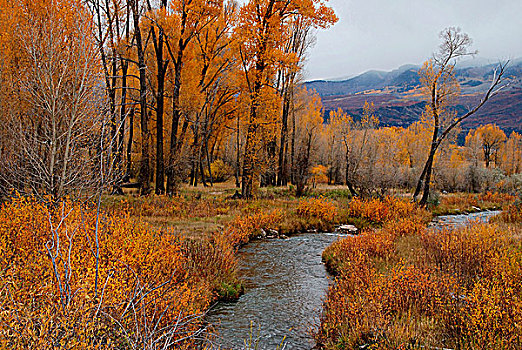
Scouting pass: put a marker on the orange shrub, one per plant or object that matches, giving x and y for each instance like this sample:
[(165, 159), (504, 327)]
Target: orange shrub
[(468, 252), (318, 208), (490, 318), (240, 230), (171, 207), (470, 202), (403, 227), (459, 289), (511, 214), (390, 310), (379, 211), (368, 244), (54, 289)]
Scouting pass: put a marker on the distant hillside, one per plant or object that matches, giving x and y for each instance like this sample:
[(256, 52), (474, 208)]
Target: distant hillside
[(398, 102)]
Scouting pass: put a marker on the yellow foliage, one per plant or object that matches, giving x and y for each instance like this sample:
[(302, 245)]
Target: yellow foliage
[(54, 289), (319, 208)]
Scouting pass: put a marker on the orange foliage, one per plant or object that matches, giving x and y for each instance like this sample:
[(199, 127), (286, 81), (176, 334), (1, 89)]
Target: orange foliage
[(54, 290), (247, 226), (319, 208), (459, 289), (467, 253), (466, 202), (512, 214), (386, 310), (360, 248), (173, 207), (379, 211)]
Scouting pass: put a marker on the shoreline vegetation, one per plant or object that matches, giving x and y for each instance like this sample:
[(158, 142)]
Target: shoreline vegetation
[(404, 286), (145, 269)]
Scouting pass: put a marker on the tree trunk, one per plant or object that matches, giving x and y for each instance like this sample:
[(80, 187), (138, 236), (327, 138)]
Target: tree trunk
[(238, 151), (123, 117), (248, 161), (209, 163), (129, 143), (426, 192), (160, 102), (144, 174), (347, 179), (176, 106), (282, 176)]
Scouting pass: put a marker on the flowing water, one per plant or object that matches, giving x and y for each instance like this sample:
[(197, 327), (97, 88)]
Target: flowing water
[(285, 285), (453, 221)]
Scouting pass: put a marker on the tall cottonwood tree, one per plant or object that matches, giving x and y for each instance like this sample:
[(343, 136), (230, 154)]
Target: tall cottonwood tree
[(214, 68), (157, 31), (260, 32), (137, 10), (308, 126), (298, 41), (441, 89), (512, 154), (190, 17), (111, 19)]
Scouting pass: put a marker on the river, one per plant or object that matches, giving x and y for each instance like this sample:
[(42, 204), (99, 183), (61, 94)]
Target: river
[(285, 285)]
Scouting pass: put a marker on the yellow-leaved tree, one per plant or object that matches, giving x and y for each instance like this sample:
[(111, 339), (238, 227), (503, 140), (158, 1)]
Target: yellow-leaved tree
[(261, 48), (490, 138)]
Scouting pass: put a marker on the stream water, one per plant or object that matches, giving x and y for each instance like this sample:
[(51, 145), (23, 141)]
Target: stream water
[(285, 285)]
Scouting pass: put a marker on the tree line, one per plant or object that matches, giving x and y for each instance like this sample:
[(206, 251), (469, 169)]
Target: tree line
[(152, 90), (116, 93)]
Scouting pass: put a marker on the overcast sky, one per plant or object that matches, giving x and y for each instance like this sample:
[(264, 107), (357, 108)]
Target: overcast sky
[(385, 34)]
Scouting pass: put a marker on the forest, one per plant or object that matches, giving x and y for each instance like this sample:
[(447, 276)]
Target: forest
[(143, 143)]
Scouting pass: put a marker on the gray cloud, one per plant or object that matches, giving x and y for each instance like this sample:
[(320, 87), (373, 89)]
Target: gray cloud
[(384, 34)]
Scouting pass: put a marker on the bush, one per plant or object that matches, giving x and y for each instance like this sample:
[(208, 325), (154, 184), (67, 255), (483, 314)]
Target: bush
[(84, 281), (459, 289), (511, 214), (318, 208), (467, 253), (245, 227), (378, 211)]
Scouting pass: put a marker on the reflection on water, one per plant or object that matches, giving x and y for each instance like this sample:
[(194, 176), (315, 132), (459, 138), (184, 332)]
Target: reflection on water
[(285, 285)]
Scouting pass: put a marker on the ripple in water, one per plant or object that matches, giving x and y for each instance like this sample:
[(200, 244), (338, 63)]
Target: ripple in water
[(285, 285)]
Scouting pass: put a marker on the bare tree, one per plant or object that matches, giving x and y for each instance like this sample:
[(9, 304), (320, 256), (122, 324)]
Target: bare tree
[(442, 88), (60, 118)]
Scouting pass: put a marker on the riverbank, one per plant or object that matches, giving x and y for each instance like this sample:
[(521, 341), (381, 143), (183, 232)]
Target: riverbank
[(406, 286), (104, 275)]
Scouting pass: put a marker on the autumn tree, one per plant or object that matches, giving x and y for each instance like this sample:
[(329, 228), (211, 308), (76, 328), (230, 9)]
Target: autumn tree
[(339, 124), (157, 22), (308, 126), (297, 42), (187, 19), (136, 13), (356, 139), (491, 138), (260, 30), (441, 89), (512, 154), (214, 91)]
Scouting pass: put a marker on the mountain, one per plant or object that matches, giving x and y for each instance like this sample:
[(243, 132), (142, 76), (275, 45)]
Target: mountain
[(398, 100)]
